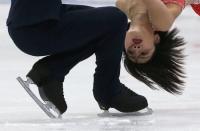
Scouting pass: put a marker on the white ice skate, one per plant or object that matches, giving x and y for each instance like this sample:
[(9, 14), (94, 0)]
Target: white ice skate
[(144, 112), (48, 107)]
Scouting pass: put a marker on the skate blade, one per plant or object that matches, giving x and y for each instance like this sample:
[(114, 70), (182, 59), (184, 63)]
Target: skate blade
[(48, 107), (144, 112)]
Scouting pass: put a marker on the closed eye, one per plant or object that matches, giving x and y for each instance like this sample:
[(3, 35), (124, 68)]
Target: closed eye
[(143, 54)]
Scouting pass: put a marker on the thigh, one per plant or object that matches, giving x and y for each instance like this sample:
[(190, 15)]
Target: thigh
[(39, 39), (79, 26), (69, 7)]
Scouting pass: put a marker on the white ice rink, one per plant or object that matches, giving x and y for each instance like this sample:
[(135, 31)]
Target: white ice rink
[(18, 112)]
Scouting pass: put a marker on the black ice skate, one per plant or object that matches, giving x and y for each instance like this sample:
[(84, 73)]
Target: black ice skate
[(127, 102), (51, 93)]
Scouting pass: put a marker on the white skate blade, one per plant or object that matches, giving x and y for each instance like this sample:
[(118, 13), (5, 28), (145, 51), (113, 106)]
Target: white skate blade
[(49, 108), (144, 112)]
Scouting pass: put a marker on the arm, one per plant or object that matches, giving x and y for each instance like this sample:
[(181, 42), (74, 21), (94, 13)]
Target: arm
[(132, 8), (162, 16), (122, 5)]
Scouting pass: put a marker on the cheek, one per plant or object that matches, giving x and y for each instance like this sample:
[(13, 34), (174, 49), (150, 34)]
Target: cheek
[(128, 41), (149, 44), (127, 45), (148, 47), (150, 50)]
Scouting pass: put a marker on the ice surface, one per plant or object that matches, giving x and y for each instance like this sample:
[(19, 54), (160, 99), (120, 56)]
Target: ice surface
[(18, 112)]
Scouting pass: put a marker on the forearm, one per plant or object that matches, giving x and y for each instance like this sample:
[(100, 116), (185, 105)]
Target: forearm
[(160, 16)]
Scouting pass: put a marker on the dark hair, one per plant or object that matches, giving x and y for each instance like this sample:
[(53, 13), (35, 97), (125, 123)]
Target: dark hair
[(165, 68)]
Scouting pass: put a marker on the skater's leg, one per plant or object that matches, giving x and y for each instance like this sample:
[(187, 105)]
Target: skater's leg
[(108, 91), (39, 40), (106, 77), (81, 41), (56, 66), (69, 36)]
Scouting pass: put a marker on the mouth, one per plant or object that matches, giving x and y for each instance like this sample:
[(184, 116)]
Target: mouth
[(137, 41)]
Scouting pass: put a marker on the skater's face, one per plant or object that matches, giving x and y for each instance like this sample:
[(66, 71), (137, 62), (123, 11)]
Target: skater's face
[(140, 44)]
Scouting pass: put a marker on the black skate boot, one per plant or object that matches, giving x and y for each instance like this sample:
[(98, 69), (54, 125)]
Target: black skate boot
[(126, 101), (50, 90)]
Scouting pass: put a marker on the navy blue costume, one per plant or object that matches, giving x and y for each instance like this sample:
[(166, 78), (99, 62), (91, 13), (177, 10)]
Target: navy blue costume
[(68, 34)]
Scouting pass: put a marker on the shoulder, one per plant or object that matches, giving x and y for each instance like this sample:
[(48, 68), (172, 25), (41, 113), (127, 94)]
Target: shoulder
[(175, 7)]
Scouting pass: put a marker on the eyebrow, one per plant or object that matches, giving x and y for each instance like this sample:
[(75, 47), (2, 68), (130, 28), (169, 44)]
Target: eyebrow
[(136, 59), (131, 57), (146, 58), (129, 52)]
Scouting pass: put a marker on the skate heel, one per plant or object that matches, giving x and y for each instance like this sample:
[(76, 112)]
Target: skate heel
[(144, 112), (29, 80), (103, 107), (48, 107), (52, 107), (149, 111)]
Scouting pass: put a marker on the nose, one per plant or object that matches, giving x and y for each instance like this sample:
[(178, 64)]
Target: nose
[(137, 44), (136, 50)]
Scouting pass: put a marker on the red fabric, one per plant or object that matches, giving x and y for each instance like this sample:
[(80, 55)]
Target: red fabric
[(196, 8), (179, 2)]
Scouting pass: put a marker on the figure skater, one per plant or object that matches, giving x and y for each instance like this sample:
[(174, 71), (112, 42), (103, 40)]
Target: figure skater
[(66, 35)]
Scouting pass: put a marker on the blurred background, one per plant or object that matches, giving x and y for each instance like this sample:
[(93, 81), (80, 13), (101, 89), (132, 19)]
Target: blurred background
[(171, 113)]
